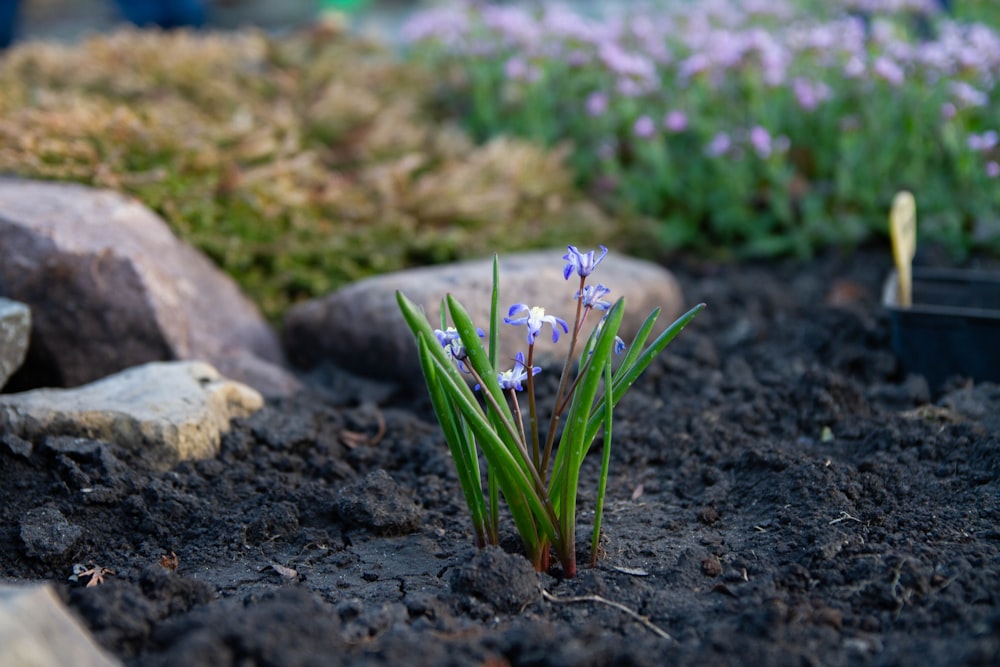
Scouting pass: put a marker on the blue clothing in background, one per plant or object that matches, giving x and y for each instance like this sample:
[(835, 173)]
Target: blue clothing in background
[(162, 13)]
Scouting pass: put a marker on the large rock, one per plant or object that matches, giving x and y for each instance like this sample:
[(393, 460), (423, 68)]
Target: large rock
[(15, 333), (36, 630), (110, 287), (165, 411), (360, 327)]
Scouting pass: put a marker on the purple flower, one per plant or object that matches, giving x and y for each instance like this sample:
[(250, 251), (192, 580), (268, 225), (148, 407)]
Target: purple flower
[(675, 121), (810, 93), (534, 318), (592, 296), (719, 145), (518, 69), (983, 142), (619, 345), (761, 141), (584, 264), (597, 104), (644, 127), (451, 341), (889, 69), (992, 169), (512, 379)]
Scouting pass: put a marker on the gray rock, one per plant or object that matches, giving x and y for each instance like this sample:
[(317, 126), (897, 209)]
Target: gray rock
[(361, 329), (110, 287), (46, 533), (36, 630), (15, 333), (164, 411)]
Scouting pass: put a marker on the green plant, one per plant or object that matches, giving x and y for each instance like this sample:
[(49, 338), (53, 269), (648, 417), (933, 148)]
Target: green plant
[(539, 481)]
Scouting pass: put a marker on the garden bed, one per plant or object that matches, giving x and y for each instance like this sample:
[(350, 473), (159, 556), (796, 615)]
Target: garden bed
[(779, 494)]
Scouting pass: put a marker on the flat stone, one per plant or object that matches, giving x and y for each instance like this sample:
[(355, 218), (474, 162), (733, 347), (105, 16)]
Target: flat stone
[(360, 328), (37, 630), (110, 287), (15, 334), (164, 411)]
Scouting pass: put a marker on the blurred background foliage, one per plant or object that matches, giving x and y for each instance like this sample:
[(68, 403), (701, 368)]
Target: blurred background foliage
[(298, 163), (303, 159)]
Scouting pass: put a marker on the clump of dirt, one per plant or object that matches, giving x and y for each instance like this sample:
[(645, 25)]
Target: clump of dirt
[(781, 492)]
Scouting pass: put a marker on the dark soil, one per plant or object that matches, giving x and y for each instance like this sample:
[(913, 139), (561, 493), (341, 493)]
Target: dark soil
[(781, 494)]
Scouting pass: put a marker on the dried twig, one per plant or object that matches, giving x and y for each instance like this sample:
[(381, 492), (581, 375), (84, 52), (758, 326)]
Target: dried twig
[(649, 625)]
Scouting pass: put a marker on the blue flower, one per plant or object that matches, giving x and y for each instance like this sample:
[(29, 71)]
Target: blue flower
[(534, 318), (584, 264), (512, 379), (451, 341), (619, 345), (592, 296)]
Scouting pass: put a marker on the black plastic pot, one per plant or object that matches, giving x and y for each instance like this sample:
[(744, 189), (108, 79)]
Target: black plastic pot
[(953, 326)]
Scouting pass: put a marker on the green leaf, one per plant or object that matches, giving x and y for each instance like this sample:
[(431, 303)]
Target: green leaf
[(626, 376), (573, 445), (463, 448), (602, 484)]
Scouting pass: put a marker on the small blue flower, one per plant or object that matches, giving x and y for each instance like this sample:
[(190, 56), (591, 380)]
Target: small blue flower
[(619, 345), (583, 263), (512, 379), (451, 341), (592, 296), (534, 318)]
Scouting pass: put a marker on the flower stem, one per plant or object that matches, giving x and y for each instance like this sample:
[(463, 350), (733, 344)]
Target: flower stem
[(557, 412), (533, 412)]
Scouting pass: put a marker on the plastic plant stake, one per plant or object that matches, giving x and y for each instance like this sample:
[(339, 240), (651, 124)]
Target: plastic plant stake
[(903, 232)]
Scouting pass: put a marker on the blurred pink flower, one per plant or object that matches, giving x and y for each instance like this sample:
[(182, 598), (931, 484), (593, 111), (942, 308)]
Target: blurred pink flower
[(719, 145), (760, 139), (809, 93), (597, 104), (675, 121), (889, 70), (644, 127), (992, 169), (983, 142)]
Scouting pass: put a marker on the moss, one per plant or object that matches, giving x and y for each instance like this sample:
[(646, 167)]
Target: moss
[(298, 164)]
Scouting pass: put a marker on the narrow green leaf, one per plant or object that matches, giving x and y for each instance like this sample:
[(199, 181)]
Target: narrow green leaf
[(602, 484), (572, 445), (635, 346), (463, 450), (626, 377), (491, 481)]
